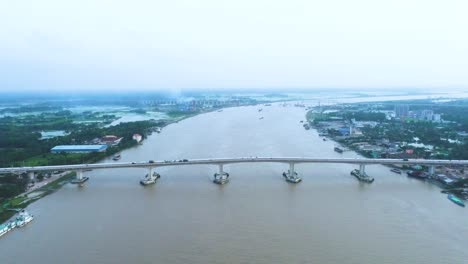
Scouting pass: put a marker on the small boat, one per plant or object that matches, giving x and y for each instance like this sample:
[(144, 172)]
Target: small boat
[(261, 118), (339, 150), (260, 109), (396, 171), (324, 139), (116, 157), (456, 200)]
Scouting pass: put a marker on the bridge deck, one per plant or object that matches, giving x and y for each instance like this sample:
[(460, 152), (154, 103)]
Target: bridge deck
[(217, 161)]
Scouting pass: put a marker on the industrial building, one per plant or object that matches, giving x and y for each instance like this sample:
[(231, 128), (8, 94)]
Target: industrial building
[(78, 148)]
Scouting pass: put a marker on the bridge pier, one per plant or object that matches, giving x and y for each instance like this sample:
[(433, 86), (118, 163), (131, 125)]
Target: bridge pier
[(221, 177), (431, 171), (151, 177), (362, 169), (31, 175), (79, 178), (291, 175), (361, 174)]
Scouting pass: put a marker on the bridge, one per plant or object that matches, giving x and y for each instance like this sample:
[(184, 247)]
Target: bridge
[(221, 176)]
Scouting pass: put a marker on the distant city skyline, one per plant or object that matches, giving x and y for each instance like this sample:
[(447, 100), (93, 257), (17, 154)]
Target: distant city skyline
[(89, 45)]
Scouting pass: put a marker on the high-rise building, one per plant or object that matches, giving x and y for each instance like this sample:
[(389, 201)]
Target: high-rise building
[(401, 110)]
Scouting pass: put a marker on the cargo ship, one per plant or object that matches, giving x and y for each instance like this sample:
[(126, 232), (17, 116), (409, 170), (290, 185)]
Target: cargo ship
[(456, 200), (417, 174), (362, 177), (21, 220)]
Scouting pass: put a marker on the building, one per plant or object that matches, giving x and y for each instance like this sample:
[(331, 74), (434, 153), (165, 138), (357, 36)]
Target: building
[(401, 110), (110, 140), (78, 148), (137, 138)]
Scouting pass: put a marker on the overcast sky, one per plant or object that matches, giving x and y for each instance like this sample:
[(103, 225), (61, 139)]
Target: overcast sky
[(174, 44)]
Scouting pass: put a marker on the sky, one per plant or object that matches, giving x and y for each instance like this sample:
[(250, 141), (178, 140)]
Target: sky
[(90, 45)]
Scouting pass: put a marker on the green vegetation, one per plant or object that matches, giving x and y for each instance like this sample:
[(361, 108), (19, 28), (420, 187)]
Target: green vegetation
[(9, 206)]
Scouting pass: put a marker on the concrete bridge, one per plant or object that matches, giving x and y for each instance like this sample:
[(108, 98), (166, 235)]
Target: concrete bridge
[(222, 177)]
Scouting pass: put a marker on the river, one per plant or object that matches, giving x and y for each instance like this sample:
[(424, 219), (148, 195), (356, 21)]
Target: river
[(256, 218)]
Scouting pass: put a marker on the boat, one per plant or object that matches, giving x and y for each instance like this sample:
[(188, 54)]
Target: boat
[(396, 171), (116, 157), (78, 181), (306, 126), (261, 118), (339, 150), (416, 174), (150, 180), (364, 178), (23, 218), (324, 139), (220, 110), (456, 200), (260, 109), (4, 228)]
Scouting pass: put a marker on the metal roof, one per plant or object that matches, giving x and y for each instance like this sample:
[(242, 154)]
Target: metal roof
[(79, 147)]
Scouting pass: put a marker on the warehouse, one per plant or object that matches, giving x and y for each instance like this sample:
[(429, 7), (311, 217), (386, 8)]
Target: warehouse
[(78, 148)]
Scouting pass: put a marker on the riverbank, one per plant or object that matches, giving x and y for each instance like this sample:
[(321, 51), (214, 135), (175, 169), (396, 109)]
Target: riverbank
[(342, 138), (10, 206)]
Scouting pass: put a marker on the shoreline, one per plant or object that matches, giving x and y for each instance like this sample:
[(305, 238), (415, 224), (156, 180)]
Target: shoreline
[(22, 200)]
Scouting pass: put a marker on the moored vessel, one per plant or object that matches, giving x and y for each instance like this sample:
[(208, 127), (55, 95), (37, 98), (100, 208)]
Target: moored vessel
[(417, 174), (456, 200), (23, 218), (116, 157)]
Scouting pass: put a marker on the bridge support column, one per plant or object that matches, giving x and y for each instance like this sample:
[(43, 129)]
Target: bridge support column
[(291, 175), (362, 169), (431, 171), (151, 177), (221, 177), (79, 178), (31, 175)]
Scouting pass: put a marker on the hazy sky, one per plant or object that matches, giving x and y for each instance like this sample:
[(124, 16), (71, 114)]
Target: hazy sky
[(174, 44)]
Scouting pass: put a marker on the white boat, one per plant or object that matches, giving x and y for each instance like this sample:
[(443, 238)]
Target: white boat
[(23, 218), (4, 229)]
